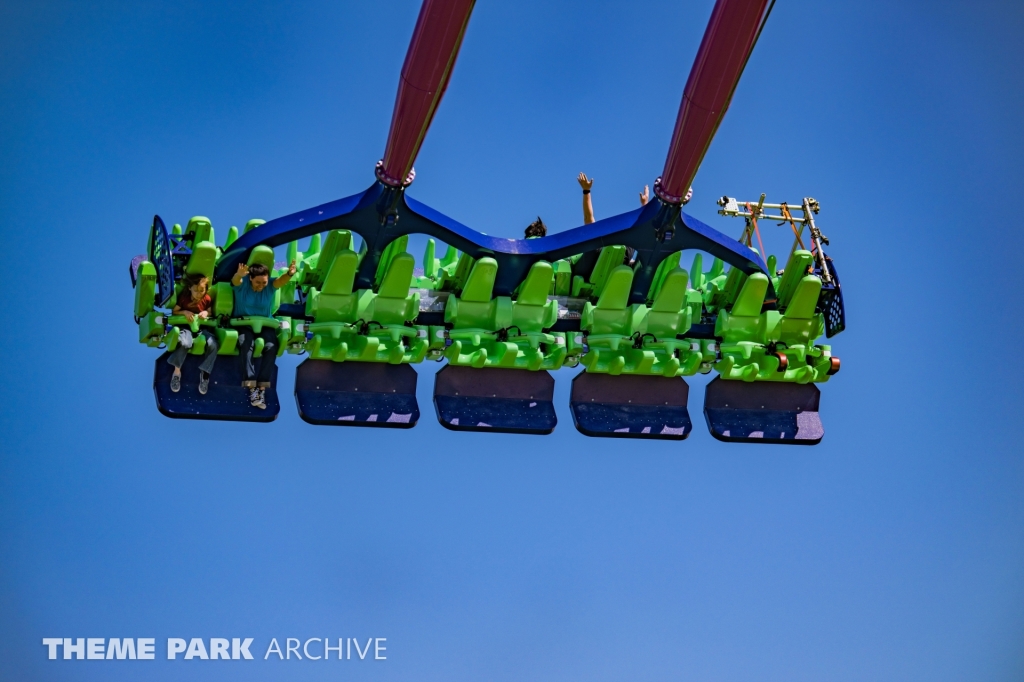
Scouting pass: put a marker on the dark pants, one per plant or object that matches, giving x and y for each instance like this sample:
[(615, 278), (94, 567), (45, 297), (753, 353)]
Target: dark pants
[(185, 343), (257, 372)]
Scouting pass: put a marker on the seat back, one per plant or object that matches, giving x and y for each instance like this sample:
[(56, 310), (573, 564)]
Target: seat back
[(666, 266), (750, 299), (262, 254), (612, 314), (393, 303), (223, 298), (796, 269), (252, 224), (801, 324), (203, 259), (670, 315), (391, 251), (611, 257), (532, 311), (337, 302), (454, 273), (744, 321), (202, 229), (475, 308), (145, 288), (337, 241)]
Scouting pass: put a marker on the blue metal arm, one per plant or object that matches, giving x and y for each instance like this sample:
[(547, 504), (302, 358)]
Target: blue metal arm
[(381, 214)]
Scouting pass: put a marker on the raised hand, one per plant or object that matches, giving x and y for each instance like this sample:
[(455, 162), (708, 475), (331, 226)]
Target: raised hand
[(243, 270), (645, 195), (291, 269), (585, 182)]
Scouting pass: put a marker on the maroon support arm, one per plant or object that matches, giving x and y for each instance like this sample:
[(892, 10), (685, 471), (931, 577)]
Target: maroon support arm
[(428, 66), (727, 44)]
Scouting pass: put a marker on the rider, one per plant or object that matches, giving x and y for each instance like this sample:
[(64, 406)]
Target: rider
[(536, 229), (254, 298), (192, 302), (588, 210), (588, 206)]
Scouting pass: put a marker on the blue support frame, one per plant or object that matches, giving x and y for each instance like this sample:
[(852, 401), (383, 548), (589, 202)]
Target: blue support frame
[(382, 214), (160, 255)]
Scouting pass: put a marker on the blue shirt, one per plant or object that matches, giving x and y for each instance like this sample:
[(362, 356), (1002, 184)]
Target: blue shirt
[(249, 302)]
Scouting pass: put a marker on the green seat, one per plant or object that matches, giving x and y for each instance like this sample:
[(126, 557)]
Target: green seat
[(612, 316), (562, 284), (611, 257), (664, 268), (610, 326), (336, 301), (366, 325), (145, 288), (392, 309), (796, 268), (746, 333), (203, 259), (532, 313), (669, 317), (489, 331), (394, 304), (151, 322), (263, 255), (318, 261), (800, 325), (774, 345), (722, 288), (201, 228), (454, 270)]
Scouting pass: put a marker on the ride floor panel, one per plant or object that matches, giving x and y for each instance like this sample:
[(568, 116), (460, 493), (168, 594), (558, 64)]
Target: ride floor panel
[(763, 412), (630, 406), (356, 394), (226, 399), (495, 399)]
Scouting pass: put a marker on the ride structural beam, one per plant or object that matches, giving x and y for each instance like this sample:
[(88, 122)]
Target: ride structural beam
[(728, 41), (359, 214), (428, 67)]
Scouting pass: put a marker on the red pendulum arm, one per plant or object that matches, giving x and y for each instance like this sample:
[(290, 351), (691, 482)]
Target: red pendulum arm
[(428, 66), (727, 44)]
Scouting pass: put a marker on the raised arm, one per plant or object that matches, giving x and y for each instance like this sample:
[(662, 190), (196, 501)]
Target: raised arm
[(283, 279), (588, 206), (242, 271)]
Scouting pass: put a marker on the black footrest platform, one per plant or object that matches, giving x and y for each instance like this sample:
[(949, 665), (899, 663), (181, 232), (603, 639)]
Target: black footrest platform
[(356, 394), (495, 399), (227, 399), (630, 406), (763, 412)]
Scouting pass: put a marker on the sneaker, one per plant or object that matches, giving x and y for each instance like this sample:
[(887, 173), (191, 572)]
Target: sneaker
[(175, 382), (204, 383), (256, 398), (263, 396)]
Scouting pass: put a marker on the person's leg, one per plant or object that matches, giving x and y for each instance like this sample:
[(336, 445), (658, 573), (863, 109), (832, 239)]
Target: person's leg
[(177, 357), (246, 347), (268, 359), (246, 342), (210, 354), (209, 357)]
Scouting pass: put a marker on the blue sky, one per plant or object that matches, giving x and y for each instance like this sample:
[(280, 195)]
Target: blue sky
[(892, 551)]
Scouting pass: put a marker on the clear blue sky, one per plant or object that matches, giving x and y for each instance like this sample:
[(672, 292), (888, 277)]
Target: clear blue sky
[(892, 551)]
